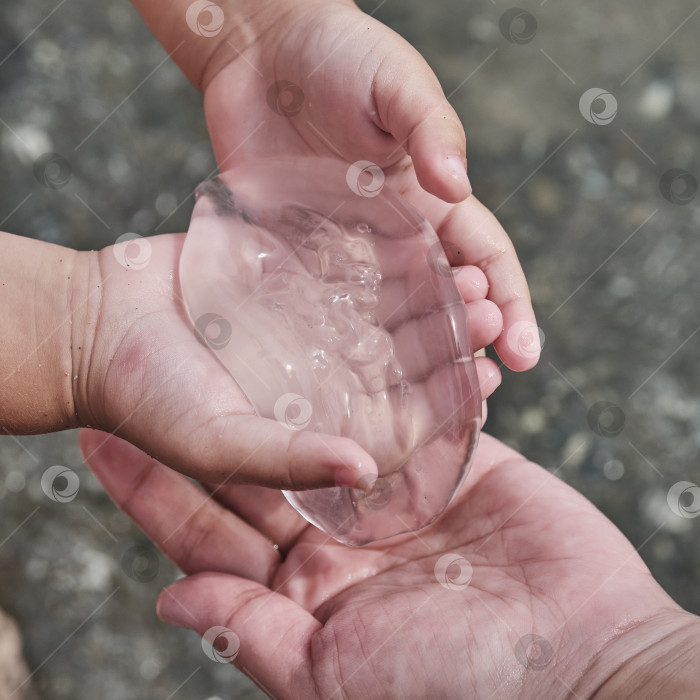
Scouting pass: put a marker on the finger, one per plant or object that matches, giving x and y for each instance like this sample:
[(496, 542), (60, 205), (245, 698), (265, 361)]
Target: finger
[(186, 524), (424, 343), (489, 376), (273, 635), (482, 369), (423, 122), (473, 229), (267, 510), (471, 283), (247, 449)]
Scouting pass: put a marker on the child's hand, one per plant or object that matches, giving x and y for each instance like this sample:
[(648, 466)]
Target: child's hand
[(140, 373), (329, 80)]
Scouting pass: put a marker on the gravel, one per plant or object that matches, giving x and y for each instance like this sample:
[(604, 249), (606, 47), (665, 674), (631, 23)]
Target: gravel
[(603, 215)]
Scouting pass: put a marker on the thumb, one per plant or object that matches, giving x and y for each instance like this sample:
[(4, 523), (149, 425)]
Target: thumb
[(417, 114), (247, 449), (264, 633)]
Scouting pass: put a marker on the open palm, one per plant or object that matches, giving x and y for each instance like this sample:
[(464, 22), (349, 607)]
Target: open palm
[(513, 592), (328, 80), (147, 378)]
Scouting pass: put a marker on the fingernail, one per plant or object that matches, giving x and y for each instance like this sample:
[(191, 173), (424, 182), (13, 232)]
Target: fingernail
[(165, 610), (348, 478), (456, 166)]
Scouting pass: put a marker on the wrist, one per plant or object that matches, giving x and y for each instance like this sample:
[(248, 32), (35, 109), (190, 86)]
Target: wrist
[(202, 40), (656, 658), (39, 292)]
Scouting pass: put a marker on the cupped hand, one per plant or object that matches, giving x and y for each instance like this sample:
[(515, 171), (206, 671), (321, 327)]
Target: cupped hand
[(521, 589), (326, 79), (142, 374)]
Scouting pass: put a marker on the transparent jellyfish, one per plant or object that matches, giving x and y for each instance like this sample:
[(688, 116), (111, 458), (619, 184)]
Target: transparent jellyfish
[(343, 319)]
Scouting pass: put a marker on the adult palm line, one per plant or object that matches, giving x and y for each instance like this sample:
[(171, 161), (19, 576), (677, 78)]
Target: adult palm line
[(318, 619)]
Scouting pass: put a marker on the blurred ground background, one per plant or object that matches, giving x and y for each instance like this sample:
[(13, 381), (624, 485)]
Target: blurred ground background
[(610, 247)]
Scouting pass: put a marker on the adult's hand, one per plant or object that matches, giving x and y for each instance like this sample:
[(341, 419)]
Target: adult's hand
[(521, 589)]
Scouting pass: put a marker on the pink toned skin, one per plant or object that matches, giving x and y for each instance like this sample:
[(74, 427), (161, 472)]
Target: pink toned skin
[(339, 303), (142, 373), (109, 347), (367, 95), (317, 619), (351, 70)]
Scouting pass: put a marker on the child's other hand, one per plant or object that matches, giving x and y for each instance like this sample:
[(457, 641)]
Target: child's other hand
[(326, 79)]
